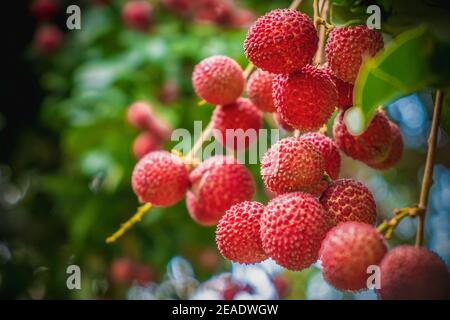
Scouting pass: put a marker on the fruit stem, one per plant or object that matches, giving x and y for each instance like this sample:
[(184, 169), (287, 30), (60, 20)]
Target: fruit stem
[(295, 4), (205, 134), (427, 180), (268, 116), (319, 58), (130, 222), (248, 70), (296, 133), (388, 226)]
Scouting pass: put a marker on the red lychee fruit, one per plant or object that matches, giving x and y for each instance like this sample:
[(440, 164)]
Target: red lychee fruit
[(412, 273), (142, 274), (347, 47), (137, 14), (160, 178), (344, 91), (346, 253), (395, 153), (281, 123), (282, 285), (44, 9), (140, 115), (121, 271), (48, 39), (238, 233), (236, 125), (217, 184), (218, 80), (292, 165), (372, 145), (349, 200), (169, 92), (232, 288), (213, 11), (145, 143), (241, 18), (293, 226), (281, 41), (259, 89), (305, 99)]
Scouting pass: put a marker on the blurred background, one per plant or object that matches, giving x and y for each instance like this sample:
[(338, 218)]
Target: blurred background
[(66, 155)]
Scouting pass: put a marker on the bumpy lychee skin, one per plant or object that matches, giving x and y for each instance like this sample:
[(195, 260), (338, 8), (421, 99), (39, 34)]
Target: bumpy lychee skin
[(349, 200), (346, 253), (292, 165), (238, 233), (281, 123), (344, 91), (137, 14), (259, 89), (236, 125), (160, 178), (293, 226), (281, 41), (218, 80), (217, 184), (145, 143), (48, 39), (348, 46), (305, 99), (411, 273), (372, 145), (395, 153)]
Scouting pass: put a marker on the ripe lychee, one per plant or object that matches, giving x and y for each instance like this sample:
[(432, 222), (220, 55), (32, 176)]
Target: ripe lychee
[(293, 226), (44, 9), (238, 233), (236, 125), (349, 200), (217, 184), (344, 91), (48, 39), (160, 178), (395, 153), (140, 115), (347, 47), (145, 143), (137, 14), (281, 41), (292, 165), (305, 99), (259, 89), (412, 273), (346, 253), (281, 123), (372, 145), (218, 80)]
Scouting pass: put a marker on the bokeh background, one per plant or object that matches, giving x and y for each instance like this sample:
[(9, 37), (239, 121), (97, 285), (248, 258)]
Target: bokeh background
[(66, 159)]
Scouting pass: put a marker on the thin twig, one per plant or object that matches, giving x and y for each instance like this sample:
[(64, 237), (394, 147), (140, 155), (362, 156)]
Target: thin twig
[(319, 58), (295, 4)]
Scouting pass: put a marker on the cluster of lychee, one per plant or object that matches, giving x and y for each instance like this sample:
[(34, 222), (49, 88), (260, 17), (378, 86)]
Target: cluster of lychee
[(48, 37), (313, 215)]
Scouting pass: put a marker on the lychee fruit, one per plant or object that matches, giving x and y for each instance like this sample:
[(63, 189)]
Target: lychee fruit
[(346, 253), (412, 273), (48, 39), (217, 184), (121, 271), (347, 47), (282, 285), (281, 41), (259, 89), (218, 80), (292, 165), (137, 14), (140, 115), (160, 178), (145, 143), (305, 99), (238, 233), (236, 125), (372, 145), (44, 9), (293, 226), (395, 153), (281, 123), (344, 91), (349, 200)]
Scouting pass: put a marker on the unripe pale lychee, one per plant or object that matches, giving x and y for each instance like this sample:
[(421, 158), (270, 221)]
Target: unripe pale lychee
[(145, 143), (217, 184), (293, 226), (218, 80), (281, 41), (372, 145), (346, 253), (344, 91), (305, 99), (236, 125), (292, 165), (348, 46), (238, 233), (395, 153), (349, 200), (137, 14), (259, 89), (411, 273), (48, 39), (160, 178)]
